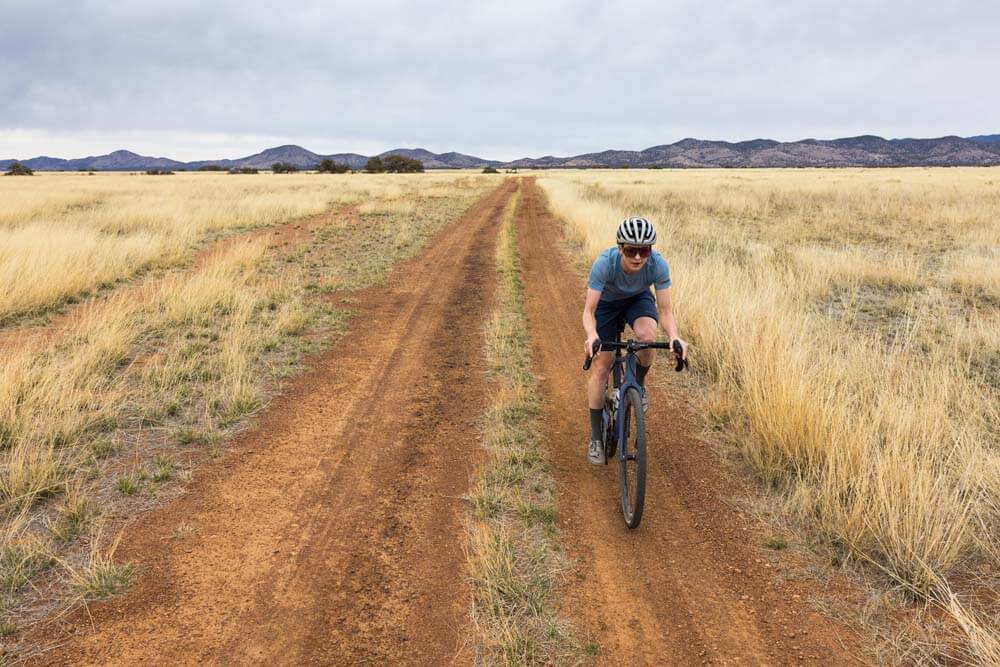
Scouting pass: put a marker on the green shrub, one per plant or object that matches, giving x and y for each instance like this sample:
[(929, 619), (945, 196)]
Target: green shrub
[(397, 164), (284, 168), (18, 169), (374, 165), (328, 166)]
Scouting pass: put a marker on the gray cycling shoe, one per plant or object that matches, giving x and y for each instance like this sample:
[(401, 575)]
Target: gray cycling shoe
[(595, 453)]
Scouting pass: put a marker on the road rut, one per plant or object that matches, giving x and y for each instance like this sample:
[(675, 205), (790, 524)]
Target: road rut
[(690, 585), (331, 533)]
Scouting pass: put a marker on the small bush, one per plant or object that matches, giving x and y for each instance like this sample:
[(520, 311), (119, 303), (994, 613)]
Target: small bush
[(284, 168), (244, 170), (211, 167), (328, 166), (490, 170), (18, 169), (397, 164), (159, 172)]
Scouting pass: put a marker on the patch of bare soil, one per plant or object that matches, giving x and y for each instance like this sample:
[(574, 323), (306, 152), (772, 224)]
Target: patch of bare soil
[(691, 585), (331, 533)]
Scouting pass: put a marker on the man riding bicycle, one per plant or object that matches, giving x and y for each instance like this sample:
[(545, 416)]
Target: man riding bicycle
[(618, 289)]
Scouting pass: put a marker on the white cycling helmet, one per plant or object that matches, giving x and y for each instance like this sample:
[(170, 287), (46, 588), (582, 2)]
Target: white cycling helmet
[(636, 231)]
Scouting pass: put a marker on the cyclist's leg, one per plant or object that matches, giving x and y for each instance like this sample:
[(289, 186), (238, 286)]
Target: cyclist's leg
[(599, 370), (644, 319), (606, 314)]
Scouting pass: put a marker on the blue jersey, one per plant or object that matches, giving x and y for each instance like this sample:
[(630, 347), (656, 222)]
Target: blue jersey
[(609, 278)]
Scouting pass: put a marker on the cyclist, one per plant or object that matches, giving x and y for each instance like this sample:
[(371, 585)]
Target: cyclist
[(618, 288)]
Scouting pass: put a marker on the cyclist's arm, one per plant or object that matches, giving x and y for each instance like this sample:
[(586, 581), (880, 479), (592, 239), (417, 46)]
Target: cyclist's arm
[(667, 321), (589, 319)]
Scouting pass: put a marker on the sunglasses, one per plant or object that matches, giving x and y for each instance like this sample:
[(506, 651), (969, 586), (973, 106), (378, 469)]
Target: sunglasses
[(637, 251)]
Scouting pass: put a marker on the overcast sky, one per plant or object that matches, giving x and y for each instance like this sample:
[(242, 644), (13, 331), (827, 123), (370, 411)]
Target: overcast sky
[(504, 79)]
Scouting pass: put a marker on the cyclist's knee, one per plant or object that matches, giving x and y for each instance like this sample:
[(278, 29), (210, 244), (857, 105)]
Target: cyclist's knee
[(601, 365), (645, 329)]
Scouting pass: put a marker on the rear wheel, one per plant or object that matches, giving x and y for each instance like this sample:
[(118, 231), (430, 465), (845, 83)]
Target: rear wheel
[(632, 462)]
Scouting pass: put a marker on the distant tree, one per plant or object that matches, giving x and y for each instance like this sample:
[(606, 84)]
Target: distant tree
[(397, 164), (328, 166), (490, 170), (374, 165), (18, 169), (159, 172), (284, 168), (244, 170), (211, 167)]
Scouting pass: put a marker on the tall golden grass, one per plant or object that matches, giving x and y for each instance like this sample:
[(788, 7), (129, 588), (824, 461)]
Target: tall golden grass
[(65, 235), (184, 356), (848, 323)]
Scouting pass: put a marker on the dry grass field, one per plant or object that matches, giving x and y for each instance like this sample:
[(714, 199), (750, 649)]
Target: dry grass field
[(847, 323), (145, 318)]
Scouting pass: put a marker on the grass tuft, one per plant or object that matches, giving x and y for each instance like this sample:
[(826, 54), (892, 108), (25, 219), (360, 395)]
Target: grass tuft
[(127, 485), (74, 513), (776, 542)]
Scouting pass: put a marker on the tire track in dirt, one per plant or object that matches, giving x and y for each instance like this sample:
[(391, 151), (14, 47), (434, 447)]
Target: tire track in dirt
[(331, 533), (688, 586)]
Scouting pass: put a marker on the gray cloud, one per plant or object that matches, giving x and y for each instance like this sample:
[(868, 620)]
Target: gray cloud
[(499, 79)]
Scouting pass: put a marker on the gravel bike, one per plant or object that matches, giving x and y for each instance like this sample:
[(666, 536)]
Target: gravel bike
[(625, 419)]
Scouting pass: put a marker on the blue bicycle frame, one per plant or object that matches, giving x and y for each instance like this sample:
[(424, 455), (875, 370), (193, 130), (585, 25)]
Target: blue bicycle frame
[(623, 378)]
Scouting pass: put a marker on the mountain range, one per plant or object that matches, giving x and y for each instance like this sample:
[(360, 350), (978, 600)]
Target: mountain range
[(862, 151)]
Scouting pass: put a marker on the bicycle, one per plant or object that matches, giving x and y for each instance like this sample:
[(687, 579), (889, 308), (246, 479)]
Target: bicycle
[(625, 420)]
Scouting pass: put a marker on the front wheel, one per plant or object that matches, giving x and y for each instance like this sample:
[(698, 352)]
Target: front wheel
[(632, 459)]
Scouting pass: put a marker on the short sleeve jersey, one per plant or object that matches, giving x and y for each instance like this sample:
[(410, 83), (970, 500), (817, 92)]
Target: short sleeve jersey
[(608, 277)]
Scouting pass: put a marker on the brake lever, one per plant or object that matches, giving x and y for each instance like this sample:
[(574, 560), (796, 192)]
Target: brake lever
[(682, 363), (589, 360)]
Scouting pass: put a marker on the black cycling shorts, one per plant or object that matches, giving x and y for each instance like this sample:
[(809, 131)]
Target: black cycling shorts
[(612, 315)]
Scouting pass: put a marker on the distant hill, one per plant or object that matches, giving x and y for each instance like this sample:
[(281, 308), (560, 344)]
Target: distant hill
[(986, 139), (861, 151)]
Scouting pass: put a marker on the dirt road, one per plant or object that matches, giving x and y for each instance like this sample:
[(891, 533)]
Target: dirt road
[(331, 533), (691, 585)]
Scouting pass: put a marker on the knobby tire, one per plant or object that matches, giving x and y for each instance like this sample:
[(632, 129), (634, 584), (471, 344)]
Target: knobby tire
[(632, 459)]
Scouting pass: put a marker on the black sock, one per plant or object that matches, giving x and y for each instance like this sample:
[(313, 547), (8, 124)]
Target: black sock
[(640, 373), (596, 424)]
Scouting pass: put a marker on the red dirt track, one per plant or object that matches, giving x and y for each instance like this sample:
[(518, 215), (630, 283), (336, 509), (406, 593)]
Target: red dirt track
[(689, 585), (332, 532)]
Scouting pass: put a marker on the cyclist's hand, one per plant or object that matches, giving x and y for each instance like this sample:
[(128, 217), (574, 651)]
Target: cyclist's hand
[(680, 351), (593, 340)]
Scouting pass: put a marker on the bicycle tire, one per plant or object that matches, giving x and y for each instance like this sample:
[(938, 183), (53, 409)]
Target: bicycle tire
[(610, 445), (632, 458)]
